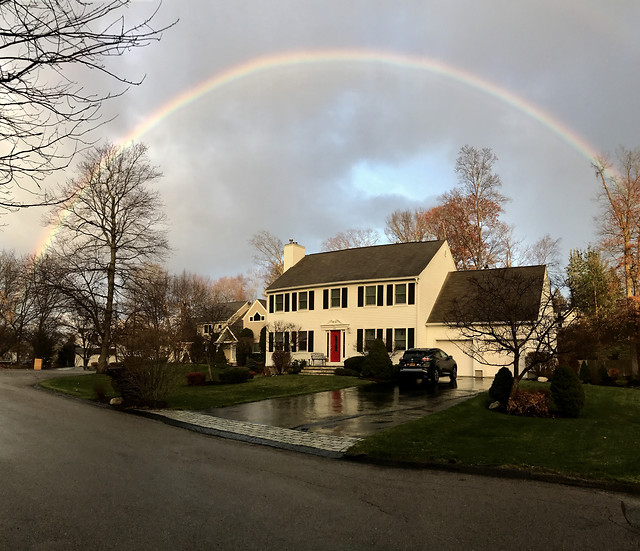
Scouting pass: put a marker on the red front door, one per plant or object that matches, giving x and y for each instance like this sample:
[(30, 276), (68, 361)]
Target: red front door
[(334, 346)]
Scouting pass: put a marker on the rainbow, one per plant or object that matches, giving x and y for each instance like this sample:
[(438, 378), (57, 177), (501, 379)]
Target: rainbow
[(270, 62)]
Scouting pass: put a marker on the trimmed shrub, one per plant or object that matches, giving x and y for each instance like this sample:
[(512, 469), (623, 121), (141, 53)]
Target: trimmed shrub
[(244, 347), (220, 359), (377, 364), (585, 372), (567, 394), (196, 378), (355, 363), (235, 375), (501, 386), (529, 403), (344, 372)]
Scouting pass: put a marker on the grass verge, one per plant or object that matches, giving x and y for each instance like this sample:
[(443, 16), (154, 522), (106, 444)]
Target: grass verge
[(211, 396), (601, 444)]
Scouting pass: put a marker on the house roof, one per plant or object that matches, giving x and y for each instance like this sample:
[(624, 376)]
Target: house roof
[(363, 263), (490, 295)]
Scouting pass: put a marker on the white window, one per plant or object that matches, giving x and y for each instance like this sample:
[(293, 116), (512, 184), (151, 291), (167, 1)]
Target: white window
[(400, 339), (370, 295), (302, 341), (279, 303), (335, 298), (369, 337), (303, 300), (401, 293)]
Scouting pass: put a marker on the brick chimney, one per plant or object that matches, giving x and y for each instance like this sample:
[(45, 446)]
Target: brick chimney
[(293, 253)]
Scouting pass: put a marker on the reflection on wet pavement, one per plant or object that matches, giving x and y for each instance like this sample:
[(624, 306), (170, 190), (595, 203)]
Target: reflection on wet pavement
[(358, 411)]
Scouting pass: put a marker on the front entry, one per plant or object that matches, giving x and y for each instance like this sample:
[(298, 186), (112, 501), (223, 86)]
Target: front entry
[(334, 346)]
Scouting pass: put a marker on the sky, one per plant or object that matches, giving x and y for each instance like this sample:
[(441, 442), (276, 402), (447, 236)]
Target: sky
[(306, 118)]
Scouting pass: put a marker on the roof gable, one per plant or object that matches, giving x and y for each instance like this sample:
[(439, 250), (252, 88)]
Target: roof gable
[(514, 292), (361, 264)]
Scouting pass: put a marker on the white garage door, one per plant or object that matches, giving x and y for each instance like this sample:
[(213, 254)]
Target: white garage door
[(465, 363)]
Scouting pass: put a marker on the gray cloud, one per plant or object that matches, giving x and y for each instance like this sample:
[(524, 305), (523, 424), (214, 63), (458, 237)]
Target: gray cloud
[(290, 149)]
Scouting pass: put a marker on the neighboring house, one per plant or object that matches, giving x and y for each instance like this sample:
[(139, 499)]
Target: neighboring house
[(336, 303), (231, 319)]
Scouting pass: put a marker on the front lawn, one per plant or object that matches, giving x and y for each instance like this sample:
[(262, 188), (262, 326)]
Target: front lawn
[(603, 443), (210, 396)]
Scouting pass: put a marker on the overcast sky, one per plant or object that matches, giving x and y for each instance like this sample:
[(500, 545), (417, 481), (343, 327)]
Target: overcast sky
[(373, 120)]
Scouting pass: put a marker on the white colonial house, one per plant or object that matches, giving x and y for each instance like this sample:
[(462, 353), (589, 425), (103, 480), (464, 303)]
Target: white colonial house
[(330, 306)]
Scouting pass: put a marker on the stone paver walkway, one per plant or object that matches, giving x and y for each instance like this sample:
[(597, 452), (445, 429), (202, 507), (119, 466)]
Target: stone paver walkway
[(317, 444)]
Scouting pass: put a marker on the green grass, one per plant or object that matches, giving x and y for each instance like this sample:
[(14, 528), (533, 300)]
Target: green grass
[(603, 443), (210, 396), (81, 386)]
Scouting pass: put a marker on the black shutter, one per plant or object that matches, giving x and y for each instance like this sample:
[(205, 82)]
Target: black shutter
[(344, 297), (270, 342), (389, 295), (411, 337), (379, 334), (310, 340), (286, 302), (389, 340), (312, 294), (294, 341), (294, 302), (271, 304), (325, 299), (412, 293), (360, 296), (359, 340), (286, 341), (380, 295)]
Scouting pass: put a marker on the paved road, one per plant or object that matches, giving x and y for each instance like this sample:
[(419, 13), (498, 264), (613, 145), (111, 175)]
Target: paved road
[(74, 476)]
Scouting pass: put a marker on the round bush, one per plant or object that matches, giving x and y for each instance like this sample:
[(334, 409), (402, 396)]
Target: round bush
[(235, 375), (567, 394), (501, 386), (355, 363), (377, 364)]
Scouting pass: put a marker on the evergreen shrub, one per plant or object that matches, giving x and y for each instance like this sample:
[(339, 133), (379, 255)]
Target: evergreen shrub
[(585, 372), (344, 372), (355, 363), (377, 364), (567, 394), (235, 375), (501, 386)]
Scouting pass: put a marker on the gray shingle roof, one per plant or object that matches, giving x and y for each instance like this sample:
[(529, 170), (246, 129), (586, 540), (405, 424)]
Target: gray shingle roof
[(379, 262), (505, 292)]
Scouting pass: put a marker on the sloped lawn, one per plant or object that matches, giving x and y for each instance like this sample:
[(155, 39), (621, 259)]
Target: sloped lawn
[(209, 396), (603, 443)]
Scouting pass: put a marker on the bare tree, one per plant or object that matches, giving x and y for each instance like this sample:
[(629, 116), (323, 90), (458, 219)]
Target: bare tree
[(406, 226), (46, 116), (504, 312), (111, 224), (620, 199), (269, 255), (479, 186), (350, 239)]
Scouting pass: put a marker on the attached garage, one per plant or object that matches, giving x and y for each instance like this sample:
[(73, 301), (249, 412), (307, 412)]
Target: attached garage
[(465, 363)]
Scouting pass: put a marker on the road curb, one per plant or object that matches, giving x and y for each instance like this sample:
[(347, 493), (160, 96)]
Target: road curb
[(501, 472)]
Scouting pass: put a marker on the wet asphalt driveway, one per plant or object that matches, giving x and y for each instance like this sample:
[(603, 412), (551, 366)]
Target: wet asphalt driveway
[(359, 411)]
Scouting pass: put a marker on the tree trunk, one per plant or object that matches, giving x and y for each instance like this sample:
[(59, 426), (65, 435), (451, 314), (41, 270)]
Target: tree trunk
[(103, 360)]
